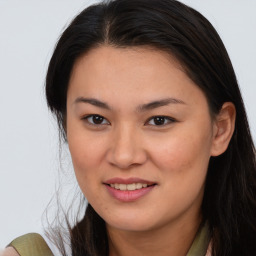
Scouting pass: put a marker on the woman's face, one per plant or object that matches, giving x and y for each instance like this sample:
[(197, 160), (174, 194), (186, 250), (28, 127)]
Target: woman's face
[(140, 136)]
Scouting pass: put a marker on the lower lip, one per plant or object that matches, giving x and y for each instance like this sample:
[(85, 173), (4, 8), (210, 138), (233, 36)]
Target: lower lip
[(128, 195)]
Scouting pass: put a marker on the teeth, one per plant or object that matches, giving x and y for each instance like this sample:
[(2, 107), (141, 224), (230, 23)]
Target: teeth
[(122, 187), (129, 187), (139, 186)]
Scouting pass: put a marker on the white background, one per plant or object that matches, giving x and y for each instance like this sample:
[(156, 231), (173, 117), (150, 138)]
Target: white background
[(28, 137)]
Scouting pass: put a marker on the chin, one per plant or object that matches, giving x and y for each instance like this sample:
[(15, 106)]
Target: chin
[(131, 227), (128, 223)]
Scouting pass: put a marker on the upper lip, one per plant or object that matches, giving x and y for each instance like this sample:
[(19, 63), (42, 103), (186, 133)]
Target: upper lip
[(128, 181)]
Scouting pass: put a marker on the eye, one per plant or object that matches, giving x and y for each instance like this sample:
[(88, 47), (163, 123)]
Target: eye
[(160, 120), (96, 120)]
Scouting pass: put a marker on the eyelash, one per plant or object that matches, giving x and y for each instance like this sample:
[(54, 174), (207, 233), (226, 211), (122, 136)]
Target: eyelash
[(86, 118), (167, 120)]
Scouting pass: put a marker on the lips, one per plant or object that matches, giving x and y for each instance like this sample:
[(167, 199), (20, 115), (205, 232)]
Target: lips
[(127, 190)]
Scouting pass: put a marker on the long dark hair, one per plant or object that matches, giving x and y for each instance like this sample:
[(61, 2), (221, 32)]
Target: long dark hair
[(229, 203)]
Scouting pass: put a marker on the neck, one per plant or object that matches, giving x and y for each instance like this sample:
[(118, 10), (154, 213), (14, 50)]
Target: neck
[(173, 239)]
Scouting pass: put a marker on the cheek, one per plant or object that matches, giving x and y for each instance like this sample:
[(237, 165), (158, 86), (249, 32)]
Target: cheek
[(183, 162), (183, 151), (84, 162), (87, 155)]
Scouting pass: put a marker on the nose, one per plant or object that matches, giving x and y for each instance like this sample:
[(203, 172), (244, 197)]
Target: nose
[(126, 149)]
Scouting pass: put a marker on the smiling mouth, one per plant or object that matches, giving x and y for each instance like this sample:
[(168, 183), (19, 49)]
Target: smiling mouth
[(129, 187), (129, 190)]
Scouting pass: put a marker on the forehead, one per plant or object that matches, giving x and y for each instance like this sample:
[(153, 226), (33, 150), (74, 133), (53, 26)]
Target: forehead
[(130, 73), (128, 59)]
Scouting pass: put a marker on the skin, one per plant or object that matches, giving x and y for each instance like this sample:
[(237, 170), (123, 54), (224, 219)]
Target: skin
[(9, 252), (128, 143)]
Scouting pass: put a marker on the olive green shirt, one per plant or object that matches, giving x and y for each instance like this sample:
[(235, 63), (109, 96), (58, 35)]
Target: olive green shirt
[(33, 244)]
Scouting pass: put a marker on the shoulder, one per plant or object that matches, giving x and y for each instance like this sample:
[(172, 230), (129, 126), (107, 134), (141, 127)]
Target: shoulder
[(26, 245), (9, 251)]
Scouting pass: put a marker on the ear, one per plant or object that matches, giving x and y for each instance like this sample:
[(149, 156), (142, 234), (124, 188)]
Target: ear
[(224, 125)]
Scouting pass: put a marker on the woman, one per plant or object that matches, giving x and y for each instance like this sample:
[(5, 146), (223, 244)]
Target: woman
[(146, 98)]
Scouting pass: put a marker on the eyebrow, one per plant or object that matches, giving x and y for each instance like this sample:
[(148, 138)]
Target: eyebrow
[(93, 102), (159, 103), (140, 108)]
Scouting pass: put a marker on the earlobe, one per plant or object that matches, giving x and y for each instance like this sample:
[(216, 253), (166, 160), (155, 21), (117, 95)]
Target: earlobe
[(224, 126)]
